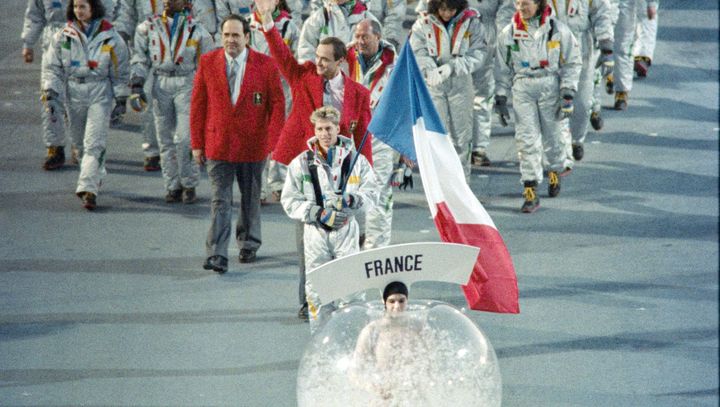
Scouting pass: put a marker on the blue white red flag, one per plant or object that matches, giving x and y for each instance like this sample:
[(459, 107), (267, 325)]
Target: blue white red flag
[(406, 119)]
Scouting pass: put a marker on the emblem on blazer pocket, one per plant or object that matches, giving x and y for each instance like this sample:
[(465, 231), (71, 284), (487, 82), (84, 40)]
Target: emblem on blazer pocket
[(257, 98)]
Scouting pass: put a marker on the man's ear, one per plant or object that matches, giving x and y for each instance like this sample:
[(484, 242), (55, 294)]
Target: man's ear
[(343, 66)]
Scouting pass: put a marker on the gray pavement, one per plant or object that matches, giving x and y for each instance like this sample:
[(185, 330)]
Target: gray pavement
[(618, 276)]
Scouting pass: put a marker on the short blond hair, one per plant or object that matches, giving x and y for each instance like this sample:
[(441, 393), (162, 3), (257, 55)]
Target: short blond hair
[(328, 113)]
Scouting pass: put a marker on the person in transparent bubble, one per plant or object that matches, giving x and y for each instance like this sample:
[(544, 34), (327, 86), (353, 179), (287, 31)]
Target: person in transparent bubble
[(386, 362)]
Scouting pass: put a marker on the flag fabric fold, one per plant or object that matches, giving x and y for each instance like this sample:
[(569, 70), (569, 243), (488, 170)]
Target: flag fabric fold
[(406, 119)]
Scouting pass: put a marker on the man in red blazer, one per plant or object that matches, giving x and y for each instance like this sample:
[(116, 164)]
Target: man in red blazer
[(236, 113), (309, 92)]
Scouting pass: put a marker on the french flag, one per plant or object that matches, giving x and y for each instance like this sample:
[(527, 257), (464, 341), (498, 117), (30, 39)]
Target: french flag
[(404, 109)]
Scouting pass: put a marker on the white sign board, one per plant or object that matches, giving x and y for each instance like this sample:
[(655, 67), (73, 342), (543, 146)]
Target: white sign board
[(408, 263)]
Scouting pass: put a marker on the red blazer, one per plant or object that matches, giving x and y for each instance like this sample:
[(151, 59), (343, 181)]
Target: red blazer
[(307, 95), (248, 131)]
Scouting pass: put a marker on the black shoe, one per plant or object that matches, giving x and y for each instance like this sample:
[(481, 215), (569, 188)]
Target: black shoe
[(642, 65), (303, 313), (480, 159), (621, 100), (55, 158), (596, 121), (578, 151), (609, 85), (553, 184), (532, 202), (247, 256), (188, 195), (216, 263), (88, 200), (152, 163), (174, 196)]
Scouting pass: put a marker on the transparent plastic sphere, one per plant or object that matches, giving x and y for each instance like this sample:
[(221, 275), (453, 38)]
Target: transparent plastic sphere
[(430, 355)]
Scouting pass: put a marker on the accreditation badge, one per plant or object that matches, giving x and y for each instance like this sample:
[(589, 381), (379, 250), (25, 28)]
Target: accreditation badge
[(257, 98)]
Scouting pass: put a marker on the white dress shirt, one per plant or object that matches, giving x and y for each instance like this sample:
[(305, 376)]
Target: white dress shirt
[(334, 92), (240, 61)]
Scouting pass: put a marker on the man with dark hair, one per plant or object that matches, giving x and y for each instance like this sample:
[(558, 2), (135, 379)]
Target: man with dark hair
[(130, 13), (397, 293), (390, 351), (338, 47), (314, 85), (236, 97), (235, 17)]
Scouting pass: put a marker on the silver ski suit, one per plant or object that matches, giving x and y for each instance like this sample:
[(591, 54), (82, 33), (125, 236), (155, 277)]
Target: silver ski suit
[(378, 219), (93, 70), (483, 78), (646, 31), (537, 58), (45, 18), (588, 20), (130, 13), (624, 38), (298, 201), (461, 46), (173, 57)]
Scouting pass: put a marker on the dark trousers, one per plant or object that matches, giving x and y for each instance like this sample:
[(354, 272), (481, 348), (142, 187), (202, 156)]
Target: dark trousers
[(249, 177)]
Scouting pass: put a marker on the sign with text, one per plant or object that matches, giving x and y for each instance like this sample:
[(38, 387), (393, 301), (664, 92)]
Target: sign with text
[(408, 263)]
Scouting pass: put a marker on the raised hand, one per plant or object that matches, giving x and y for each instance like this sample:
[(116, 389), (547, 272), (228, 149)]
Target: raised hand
[(265, 8)]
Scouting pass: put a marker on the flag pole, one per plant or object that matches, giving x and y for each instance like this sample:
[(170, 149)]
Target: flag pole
[(354, 160)]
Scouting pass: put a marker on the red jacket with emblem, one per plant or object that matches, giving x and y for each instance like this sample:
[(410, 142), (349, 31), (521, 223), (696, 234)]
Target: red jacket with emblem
[(247, 131), (307, 95)]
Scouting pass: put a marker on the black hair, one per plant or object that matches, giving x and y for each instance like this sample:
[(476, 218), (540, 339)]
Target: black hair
[(339, 50), (395, 287), (282, 5), (245, 23), (434, 5), (96, 8), (542, 5)]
